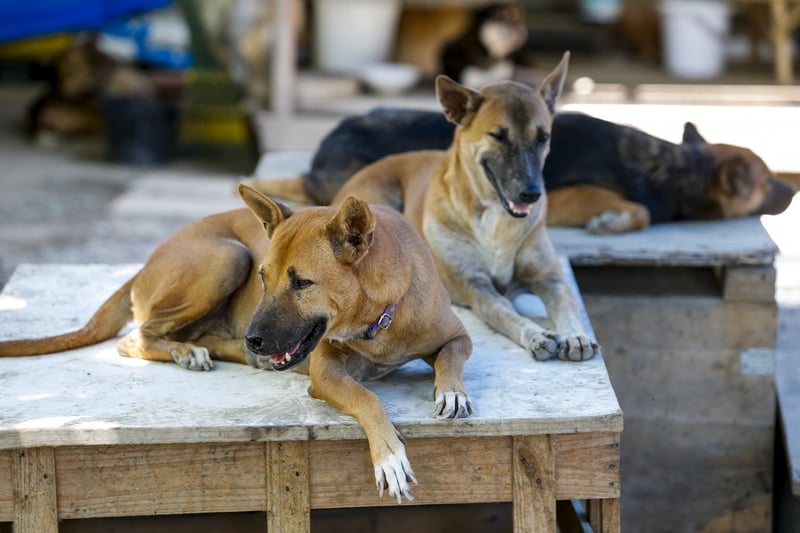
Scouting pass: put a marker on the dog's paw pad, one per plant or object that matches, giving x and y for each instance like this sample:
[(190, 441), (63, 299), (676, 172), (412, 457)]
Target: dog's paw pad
[(393, 473), (578, 348), (192, 357), (452, 404), (609, 222)]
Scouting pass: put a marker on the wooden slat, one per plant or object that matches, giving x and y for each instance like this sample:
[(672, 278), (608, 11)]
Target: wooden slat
[(34, 491), (342, 473), (587, 466), (101, 481), (287, 479), (749, 283), (534, 480), (610, 518), (6, 487)]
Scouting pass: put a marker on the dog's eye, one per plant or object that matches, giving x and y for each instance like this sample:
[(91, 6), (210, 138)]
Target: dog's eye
[(500, 135), (542, 137), (300, 283)]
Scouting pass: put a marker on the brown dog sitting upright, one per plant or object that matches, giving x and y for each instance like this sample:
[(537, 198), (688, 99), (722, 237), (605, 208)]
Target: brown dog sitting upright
[(481, 206), (353, 288)]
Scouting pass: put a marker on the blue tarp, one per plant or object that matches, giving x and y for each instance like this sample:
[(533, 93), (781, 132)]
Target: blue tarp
[(21, 19)]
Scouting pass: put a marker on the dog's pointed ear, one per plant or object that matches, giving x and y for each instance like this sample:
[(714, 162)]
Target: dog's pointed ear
[(553, 84), (458, 102), (351, 231), (267, 211), (691, 135)]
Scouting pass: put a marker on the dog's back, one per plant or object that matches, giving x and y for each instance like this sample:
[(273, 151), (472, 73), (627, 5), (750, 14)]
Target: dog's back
[(360, 140), (645, 169)]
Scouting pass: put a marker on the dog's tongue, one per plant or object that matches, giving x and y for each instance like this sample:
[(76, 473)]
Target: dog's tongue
[(279, 358)]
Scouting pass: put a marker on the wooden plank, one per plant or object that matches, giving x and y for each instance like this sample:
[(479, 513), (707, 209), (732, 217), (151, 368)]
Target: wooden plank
[(534, 479), (610, 516), (465, 470), (284, 57), (741, 241), (587, 466), (6, 486), (102, 481), (749, 283), (34, 491), (287, 479)]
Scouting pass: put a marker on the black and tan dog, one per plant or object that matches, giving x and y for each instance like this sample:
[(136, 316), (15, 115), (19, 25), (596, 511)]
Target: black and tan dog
[(599, 175), (353, 288), (481, 206)]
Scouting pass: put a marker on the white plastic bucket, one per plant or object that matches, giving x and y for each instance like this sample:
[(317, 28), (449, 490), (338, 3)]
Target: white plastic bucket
[(352, 33), (695, 34)]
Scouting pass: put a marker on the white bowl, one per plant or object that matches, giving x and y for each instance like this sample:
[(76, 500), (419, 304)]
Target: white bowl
[(390, 78)]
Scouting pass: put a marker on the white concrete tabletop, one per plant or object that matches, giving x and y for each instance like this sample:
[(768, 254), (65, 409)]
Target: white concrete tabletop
[(92, 396)]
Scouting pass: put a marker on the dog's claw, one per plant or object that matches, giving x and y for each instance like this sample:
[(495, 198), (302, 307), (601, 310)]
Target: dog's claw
[(452, 404), (578, 348), (393, 474)]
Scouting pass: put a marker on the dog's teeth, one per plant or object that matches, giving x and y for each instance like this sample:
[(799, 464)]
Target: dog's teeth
[(287, 357)]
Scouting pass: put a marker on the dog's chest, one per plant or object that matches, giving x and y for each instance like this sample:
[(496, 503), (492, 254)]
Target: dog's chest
[(499, 237)]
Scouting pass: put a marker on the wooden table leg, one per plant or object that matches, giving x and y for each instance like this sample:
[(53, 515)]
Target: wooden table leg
[(604, 515), (534, 483), (35, 509), (288, 504)]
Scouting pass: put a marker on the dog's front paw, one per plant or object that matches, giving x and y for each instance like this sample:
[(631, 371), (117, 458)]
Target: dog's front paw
[(609, 222), (392, 474), (258, 361), (578, 348), (452, 404), (544, 345), (192, 357)]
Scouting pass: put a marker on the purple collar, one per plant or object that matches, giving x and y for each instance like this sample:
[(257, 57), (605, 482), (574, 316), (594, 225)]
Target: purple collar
[(383, 322)]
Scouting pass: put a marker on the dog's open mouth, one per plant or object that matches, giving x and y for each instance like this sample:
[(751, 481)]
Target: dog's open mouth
[(298, 353), (515, 209)]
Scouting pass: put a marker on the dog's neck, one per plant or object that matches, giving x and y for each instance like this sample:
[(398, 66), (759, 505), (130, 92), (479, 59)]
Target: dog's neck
[(677, 177), (383, 322), (693, 181)]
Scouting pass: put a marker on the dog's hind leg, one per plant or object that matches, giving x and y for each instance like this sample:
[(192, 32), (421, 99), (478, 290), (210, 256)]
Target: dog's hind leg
[(599, 210), (177, 288)]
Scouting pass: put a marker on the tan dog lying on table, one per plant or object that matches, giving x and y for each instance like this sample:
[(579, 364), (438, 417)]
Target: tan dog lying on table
[(354, 287), (481, 206)]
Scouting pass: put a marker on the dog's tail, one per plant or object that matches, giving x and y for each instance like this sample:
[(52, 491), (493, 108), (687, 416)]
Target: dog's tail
[(112, 316), (287, 188)]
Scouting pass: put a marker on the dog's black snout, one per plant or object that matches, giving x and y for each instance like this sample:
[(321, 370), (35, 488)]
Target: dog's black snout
[(529, 197), (253, 343)]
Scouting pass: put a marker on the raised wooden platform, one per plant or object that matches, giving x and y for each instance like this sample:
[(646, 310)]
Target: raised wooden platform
[(90, 434), (687, 317)]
